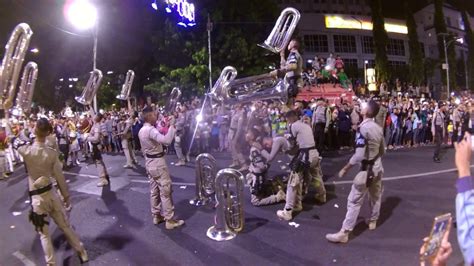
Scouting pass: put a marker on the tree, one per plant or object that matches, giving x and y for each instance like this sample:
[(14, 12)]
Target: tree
[(470, 44), (182, 53), (416, 66), (440, 27), (380, 42)]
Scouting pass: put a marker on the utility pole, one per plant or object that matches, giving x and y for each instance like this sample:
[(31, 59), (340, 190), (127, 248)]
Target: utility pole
[(209, 29), (447, 64), (94, 59)]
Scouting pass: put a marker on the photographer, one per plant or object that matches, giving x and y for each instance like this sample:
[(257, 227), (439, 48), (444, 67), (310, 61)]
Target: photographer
[(464, 208), (464, 198)]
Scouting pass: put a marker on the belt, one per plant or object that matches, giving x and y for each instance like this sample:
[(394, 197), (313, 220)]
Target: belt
[(155, 156), (307, 149), (41, 190)]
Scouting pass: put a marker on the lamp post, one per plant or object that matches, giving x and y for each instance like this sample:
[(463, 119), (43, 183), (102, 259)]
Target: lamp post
[(365, 72), (83, 15), (209, 29), (446, 45)]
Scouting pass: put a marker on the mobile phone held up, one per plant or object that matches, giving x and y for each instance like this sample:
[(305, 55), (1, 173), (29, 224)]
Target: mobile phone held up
[(440, 225)]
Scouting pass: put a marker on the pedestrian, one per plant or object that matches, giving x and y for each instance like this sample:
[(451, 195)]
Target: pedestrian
[(438, 129), (95, 137)]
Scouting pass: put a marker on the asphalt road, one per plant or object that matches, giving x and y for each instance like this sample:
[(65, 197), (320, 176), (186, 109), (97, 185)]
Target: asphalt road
[(116, 227)]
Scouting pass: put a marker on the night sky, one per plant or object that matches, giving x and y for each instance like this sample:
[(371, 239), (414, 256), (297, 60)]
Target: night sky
[(124, 25)]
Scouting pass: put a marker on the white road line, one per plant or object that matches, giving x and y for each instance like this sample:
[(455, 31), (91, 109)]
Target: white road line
[(23, 258), (174, 183), (77, 174), (392, 178)]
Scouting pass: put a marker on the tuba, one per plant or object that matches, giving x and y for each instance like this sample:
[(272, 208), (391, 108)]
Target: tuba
[(245, 90), (90, 90), (281, 34), (205, 178), (27, 88), (15, 52), (127, 86), (230, 213), (173, 100), (228, 74)]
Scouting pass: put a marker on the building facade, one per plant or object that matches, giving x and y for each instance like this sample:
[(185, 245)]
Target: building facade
[(344, 27)]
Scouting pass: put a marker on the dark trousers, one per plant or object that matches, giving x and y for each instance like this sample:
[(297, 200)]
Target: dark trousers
[(438, 140), (64, 149), (319, 136)]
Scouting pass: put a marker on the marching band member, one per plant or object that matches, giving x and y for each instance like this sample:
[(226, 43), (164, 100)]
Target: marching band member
[(180, 123), (236, 131), (162, 207), (3, 153), (43, 163), (369, 150), (261, 189), (305, 167), (127, 146), (95, 137), (62, 133), (291, 68), (275, 145)]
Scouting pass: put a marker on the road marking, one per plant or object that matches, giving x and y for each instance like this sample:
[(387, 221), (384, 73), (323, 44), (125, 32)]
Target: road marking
[(78, 174), (392, 178), (174, 183), (23, 258)]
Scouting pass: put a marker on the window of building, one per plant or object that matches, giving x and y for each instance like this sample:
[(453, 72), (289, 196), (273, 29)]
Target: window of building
[(316, 43), (422, 46), (350, 62), (367, 44), (397, 63), (344, 44), (396, 47)]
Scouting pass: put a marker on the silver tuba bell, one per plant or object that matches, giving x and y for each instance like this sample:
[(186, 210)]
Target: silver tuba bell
[(281, 34), (228, 74), (15, 52), (255, 88), (173, 100), (127, 86), (229, 209), (27, 89), (90, 90), (205, 179)]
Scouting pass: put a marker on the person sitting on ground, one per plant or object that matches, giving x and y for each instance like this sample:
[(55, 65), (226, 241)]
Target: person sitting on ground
[(262, 190)]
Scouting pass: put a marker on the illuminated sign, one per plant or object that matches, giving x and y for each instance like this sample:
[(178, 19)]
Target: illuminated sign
[(184, 9), (345, 22), (370, 72)]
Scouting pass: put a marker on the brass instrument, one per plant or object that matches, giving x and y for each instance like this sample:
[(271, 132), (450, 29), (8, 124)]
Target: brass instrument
[(205, 179), (228, 74), (229, 209), (27, 88), (127, 86), (229, 90), (90, 90), (15, 52), (173, 100), (281, 34)]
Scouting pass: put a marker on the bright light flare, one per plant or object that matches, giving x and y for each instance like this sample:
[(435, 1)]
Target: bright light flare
[(154, 5), (199, 118), (82, 14), (34, 50)]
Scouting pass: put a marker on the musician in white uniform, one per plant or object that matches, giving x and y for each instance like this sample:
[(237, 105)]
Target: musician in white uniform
[(162, 207), (126, 135)]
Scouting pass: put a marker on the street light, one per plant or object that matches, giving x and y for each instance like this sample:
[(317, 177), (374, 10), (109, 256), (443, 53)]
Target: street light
[(446, 45), (83, 15), (365, 72)]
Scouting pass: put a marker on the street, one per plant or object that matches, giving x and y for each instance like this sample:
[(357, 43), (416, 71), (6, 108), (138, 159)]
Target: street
[(116, 227)]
